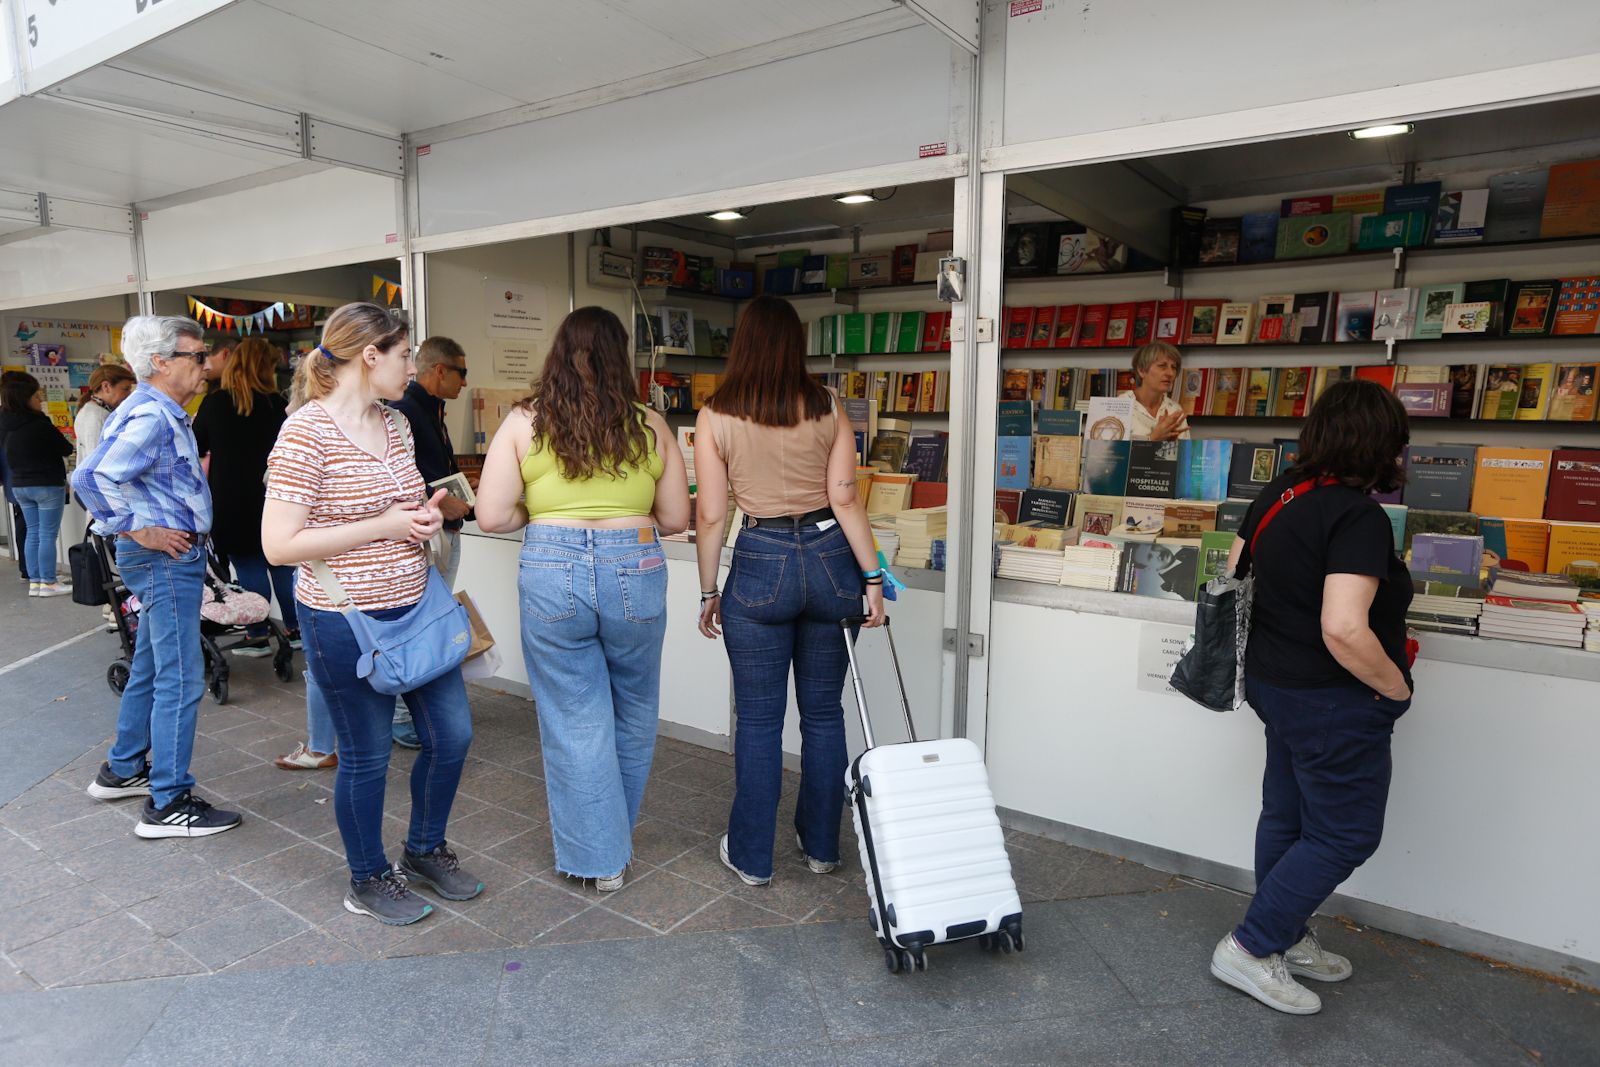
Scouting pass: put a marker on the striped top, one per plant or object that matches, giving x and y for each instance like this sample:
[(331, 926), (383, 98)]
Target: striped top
[(146, 470), (315, 465)]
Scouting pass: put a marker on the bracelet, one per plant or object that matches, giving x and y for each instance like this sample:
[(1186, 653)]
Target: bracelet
[(878, 573), (874, 581), (709, 596)]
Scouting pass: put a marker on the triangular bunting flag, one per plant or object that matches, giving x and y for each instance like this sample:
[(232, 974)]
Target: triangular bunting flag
[(377, 284), (390, 289)]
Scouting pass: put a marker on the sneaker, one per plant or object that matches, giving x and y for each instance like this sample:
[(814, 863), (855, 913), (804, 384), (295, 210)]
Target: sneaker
[(303, 759), (611, 884), (294, 639), (253, 648), (33, 587), (386, 898), (1309, 959), (726, 862), (817, 866), (108, 786), (405, 735), (50, 589), (440, 871), (187, 816), (1267, 979)]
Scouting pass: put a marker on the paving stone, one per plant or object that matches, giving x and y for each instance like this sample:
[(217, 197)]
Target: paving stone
[(449, 935), (158, 867), (796, 894), (658, 842), (530, 851), (249, 841), (1159, 945), (482, 830), (374, 939), (594, 924), (99, 1025), (81, 948), (313, 948), (95, 828), (1544, 1021), (14, 980), (289, 867), (701, 776), (660, 899), (24, 924), (1102, 875), (161, 959), (791, 1056), (502, 787), (702, 864), (300, 807), (35, 880), (320, 900), (1127, 1039), (274, 745), (521, 914), (217, 764), (199, 900), (729, 913), (235, 934), (496, 877), (243, 784)]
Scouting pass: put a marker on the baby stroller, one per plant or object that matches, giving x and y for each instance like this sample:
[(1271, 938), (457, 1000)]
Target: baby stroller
[(224, 613)]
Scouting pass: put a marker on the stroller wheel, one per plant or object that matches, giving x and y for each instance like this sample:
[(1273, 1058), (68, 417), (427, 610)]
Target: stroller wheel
[(219, 688), (283, 668), (117, 676)]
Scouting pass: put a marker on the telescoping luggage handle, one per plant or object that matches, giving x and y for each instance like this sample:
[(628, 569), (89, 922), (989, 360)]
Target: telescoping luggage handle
[(847, 624)]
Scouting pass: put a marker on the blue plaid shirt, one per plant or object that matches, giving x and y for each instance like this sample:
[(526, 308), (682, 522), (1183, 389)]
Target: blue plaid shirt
[(146, 470)]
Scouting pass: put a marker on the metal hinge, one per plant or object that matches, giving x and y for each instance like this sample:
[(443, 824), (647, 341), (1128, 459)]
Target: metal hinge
[(974, 644)]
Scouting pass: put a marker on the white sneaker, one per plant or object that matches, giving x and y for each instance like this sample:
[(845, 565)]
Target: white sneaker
[(722, 849), (817, 866), (50, 589), (610, 885), (1267, 980), (1309, 959), (33, 588)]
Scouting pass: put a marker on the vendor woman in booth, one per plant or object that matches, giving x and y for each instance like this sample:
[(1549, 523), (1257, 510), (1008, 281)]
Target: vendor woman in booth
[(1156, 416)]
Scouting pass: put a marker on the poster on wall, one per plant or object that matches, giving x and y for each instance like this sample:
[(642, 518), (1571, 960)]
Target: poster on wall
[(514, 362), (1160, 647), (516, 309), (78, 342)]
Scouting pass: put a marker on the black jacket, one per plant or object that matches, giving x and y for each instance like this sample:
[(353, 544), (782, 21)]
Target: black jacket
[(239, 446), (435, 454), (35, 450)]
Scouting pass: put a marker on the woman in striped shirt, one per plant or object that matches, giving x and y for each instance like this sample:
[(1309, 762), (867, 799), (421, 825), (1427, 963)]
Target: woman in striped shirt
[(343, 486)]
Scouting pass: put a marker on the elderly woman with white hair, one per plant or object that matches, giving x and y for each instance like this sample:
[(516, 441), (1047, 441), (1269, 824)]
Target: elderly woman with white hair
[(143, 484), (1156, 416)]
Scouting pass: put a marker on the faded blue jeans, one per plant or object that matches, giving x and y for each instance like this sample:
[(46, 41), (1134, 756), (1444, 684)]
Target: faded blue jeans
[(41, 509), (787, 591), (594, 606), (160, 702), (362, 717)]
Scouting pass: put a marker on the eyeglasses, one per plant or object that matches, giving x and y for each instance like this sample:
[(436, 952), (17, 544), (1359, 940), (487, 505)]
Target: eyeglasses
[(199, 355), (459, 370)]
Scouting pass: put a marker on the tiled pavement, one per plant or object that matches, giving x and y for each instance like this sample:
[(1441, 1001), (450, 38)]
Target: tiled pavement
[(234, 948)]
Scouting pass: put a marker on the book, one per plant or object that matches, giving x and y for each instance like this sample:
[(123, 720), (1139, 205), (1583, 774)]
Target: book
[(1393, 314), (1192, 385), (1397, 522), (1510, 482), (1225, 391), (903, 264), (1393, 229), (1204, 319), (1258, 237), (1171, 320), (1313, 318), (1203, 467), (1471, 317), (1417, 196), (1235, 319), (1516, 205), (1119, 325), (1057, 461), (1425, 400), (1066, 328), (889, 493), (1097, 513), (1439, 477), (1251, 466), (889, 448), (1577, 307), (1219, 241), (1571, 200), (1080, 251), (1056, 423), (1044, 328), (1152, 468), (1105, 467), (1300, 206), (926, 455), (1382, 374), (1188, 519), (1535, 585), (1144, 322), (1433, 302), (1051, 507), (1007, 504), (1531, 308), (1110, 418), (1231, 513), (1013, 463), (1165, 572), (1301, 236), (1186, 228), (1533, 400), (1492, 291), (1288, 453), (1215, 545), (1423, 521), (1291, 390), (1019, 327), (1355, 316), (1028, 250), (1015, 418), (1502, 388), (933, 330), (1143, 516), (1323, 377), (1092, 325), (908, 338), (1574, 489), (1574, 553), (1273, 317), (1461, 216), (1452, 558), (1515, 544), (1464, 381), (1258, 392)]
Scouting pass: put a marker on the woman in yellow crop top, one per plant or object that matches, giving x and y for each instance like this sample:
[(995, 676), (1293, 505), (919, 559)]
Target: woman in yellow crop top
[(591, 475)]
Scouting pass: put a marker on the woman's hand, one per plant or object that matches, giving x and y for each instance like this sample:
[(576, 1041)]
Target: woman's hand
[(875, 610), (427, 520), (1169, 426), (711, 616), (399, 518)]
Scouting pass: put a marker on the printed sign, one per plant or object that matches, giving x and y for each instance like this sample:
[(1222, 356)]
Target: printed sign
[(515, 309), (1160, 647), (1025, 7), (942, 148)]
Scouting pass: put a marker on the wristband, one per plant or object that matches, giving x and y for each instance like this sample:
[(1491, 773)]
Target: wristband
[(878, 573)]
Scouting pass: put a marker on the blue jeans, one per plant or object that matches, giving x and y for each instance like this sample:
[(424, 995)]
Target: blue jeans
[(594, 604), (41, 510), (787, 591), (361, 720), (449, 561), (320, 735), (157, 713), (1322, 802), (259, 576)]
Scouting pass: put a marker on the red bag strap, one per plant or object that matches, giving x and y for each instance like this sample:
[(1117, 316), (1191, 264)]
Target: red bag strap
[(1277, 506)]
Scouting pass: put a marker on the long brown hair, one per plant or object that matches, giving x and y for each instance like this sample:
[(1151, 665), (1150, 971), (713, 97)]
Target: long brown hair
[(1355, 433), (585, 402), (251, 369), (767, 381), (346, 334)]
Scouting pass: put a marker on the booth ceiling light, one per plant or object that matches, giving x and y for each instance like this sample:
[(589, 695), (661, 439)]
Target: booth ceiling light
[(1388, 130), (855, 198), (728, 214)]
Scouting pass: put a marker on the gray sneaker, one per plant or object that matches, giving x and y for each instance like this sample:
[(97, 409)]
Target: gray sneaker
[(440, 871), (386, 898), (1265, 978), (1309, 959)]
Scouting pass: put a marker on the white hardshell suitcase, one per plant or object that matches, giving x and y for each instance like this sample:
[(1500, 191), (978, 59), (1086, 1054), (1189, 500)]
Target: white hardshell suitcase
[(931, 844)]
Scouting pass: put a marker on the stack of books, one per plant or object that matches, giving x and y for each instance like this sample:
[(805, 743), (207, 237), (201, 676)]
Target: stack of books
[(1542, 608), (888, 537), (1030, 564), (1090, 567), (936, 561), (1446, 608), (1589, 601), (917, 528)]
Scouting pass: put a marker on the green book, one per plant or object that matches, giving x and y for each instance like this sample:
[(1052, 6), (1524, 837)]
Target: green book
[(1214, 548), (1016, 418), (1398, 229), (884, 326), (909, 337), (793, 257), (839, 271), (853, 333), (1300, 236), (825, 346)]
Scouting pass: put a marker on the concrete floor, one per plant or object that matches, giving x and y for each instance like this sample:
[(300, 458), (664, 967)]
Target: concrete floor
[(236, 948)]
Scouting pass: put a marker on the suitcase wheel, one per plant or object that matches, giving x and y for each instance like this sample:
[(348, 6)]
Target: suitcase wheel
[(905, 959), (1007, 939)]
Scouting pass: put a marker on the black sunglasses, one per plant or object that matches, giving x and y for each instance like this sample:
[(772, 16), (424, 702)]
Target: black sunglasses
[(199, 355)]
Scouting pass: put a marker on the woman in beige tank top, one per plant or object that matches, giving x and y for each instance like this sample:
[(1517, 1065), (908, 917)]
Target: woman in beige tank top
[(775, 438)]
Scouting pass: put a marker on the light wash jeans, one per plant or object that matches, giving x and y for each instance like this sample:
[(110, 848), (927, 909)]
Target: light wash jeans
[(594, 606), (449, 564), (159, 705), (41, 508)]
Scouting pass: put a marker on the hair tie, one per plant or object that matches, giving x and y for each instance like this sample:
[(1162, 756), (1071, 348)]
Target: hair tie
[(324, 350)]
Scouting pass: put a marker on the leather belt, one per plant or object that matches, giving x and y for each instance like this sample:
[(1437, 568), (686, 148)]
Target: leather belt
[(790, 522)]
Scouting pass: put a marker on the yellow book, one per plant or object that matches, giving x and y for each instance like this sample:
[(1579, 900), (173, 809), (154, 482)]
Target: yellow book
[(1510, 483), (1575, 552), (1534, 402)]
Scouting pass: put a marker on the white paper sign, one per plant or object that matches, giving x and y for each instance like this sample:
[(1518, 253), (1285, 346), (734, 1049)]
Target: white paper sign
[(515, 309), (1160, 647), (514, 362)]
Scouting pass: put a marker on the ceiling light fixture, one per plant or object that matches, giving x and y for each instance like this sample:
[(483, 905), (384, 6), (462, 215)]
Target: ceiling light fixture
[(855, 198), (727, 214), (1387, 130)]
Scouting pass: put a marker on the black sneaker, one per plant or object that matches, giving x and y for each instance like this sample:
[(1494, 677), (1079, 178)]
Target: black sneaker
[(107, 786), (188, 816), (440, 871), (294, 639), (386, 898), (253, 648)]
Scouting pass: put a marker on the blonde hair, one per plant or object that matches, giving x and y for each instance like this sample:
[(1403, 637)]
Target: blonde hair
[(109, 374), (252, 369), (346, 334), (1148, 355)]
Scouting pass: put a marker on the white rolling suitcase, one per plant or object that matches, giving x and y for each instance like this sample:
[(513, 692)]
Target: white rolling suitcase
[(931, 844)]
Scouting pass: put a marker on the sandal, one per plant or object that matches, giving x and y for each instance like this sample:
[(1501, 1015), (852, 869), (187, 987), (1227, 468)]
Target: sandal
[(303, 759)]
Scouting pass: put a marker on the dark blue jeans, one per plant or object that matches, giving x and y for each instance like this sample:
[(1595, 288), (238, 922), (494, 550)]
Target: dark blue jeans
[(1322, 802), (361, 719), (259, 576), (787, 591)]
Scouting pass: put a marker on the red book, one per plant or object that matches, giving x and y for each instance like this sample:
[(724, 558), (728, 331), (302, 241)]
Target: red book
[(1124, 381), (932, 330), (1305, 205), (930, 494), (944, 331), (1019, 327), (1574, 491), (1067, 316), (904, 262), (1009, 503), (1044, 327), (1144, 322), (1170, 321), (1201, 318), (1092, 327), (1119, 326), (1384, 376)]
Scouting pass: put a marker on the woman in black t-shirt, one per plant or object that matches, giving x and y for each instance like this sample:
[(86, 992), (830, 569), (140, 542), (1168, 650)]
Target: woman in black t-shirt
[(1328, 673)]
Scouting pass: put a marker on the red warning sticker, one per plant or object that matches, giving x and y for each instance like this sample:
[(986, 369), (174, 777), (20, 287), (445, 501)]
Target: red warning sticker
[(941, 148), (1025, 7), (423, 150)]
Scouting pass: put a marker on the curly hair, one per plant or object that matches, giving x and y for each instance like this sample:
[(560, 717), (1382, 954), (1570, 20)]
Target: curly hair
[(1354, 434), (585, 404)]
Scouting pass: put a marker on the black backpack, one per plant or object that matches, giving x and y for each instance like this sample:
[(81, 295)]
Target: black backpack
[(89, 577)]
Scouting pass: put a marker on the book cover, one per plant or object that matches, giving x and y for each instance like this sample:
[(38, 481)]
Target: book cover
[(1015, 418), (1288, 453), (1313, 318), (1439, 477), (885, 330), (1421, 521), (1204, 319), (1226, 391), (1397, 522), (908, 338), (1470, 317), (1171, 320), (1066, 328), (1494, 292), (1092, 325), (1044, 328), (1019, 327), (1152, 468), (1219, 241), (1510, 482), (1251, 466), (1049, 507), (889, 494), (1453, 558), (1143, 516), (1383, 374), (1014, 383), (1192, 385), (929, 494), (1165, 572), (1574, 490), (933, 326), (903, 262), (1013, 465), (1144, 322), (1433, 302), (1203, 467), (1258, 237), (1273, 316), (1464, 379), (1533, 401), (1060, 423), (1008, 503), (1057, 461), (1577, 307), (1291, 393), (1300, 206), (1502, 389), (1028, 250), (1302, 236), (1215, 545), (1355, 316), (1404, 229), (1571, 200), (1257, 393), (1188, 520), (1087, 252), (1425, 400), (1119, 325), (1098, 514), (1110, 418), (1418, 196), (1234, 322), (1461, 216), (1186, 227), (1516, 205), (1393, 314), (1230, 515), (1574, 553), (1531, 307), (926, 456), (1323, 377), (1105, 467)]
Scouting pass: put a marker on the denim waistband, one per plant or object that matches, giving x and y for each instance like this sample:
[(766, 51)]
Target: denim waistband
[(587, 535)]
